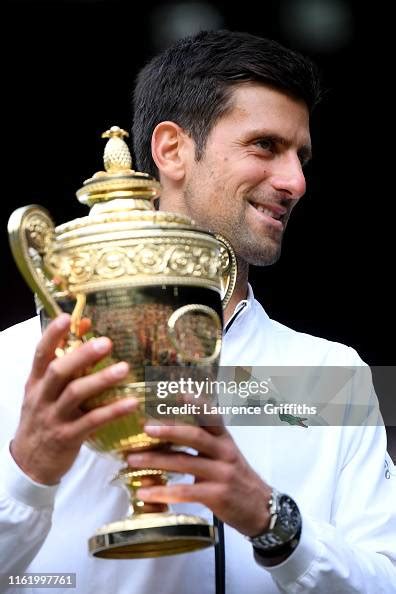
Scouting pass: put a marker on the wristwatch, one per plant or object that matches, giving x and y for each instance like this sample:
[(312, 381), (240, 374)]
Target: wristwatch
[(283, 533)]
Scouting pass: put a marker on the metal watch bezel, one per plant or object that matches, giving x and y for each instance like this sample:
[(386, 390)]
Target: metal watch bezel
[(279, 534)]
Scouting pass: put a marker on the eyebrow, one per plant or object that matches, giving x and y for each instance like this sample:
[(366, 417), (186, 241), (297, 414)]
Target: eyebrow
[(304, 152)]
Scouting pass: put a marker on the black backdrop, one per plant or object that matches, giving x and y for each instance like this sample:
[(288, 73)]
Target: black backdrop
[(68, 70)]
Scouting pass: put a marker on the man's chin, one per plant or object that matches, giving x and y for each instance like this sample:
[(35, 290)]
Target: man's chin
[(264, 261), (262, 257)]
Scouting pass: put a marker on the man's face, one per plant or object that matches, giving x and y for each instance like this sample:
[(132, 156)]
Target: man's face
[(250, 176)]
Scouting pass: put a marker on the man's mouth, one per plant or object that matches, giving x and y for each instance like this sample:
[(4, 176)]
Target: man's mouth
[(272, 213)]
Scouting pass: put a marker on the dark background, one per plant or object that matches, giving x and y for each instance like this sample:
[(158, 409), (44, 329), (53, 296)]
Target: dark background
[(67, 73)]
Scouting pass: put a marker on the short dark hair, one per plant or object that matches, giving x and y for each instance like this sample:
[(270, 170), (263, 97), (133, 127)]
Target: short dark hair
[(190, 83)]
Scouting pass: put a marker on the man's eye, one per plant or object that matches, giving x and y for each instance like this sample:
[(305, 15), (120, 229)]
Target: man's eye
[(266, 144)]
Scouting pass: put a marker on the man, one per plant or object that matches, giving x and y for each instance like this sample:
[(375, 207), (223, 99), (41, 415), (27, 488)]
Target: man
[(227, 118)]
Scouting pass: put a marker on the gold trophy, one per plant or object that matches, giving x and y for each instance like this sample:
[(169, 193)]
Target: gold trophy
[(155, 284)]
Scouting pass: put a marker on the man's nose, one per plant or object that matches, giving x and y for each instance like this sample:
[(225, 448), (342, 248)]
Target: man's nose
[(288, 177)]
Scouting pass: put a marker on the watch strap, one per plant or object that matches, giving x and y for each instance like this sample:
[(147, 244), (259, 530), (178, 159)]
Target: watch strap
[(282, 551), (284, 528)]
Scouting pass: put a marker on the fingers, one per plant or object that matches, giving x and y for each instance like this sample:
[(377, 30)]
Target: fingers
[(212, 422), (82, 428), (178, 462), (202, 493), (79, 390), (194, 437), (63, 370), (45, 351)]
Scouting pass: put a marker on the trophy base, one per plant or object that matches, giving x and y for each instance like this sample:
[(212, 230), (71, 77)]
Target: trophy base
[(152, 535)]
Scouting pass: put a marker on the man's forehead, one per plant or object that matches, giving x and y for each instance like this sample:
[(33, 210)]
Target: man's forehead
[(260, 110), (254, 91)]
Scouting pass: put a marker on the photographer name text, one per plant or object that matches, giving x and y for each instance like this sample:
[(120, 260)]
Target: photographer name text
[(211, 409)]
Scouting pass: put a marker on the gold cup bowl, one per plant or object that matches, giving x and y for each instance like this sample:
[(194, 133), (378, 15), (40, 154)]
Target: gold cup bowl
[(155, 284)]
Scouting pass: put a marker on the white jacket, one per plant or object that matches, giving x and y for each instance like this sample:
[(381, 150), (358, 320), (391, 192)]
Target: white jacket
[(341, 478)]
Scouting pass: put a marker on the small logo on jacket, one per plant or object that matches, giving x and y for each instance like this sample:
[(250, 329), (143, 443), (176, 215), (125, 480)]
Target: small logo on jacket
[(292, 420)]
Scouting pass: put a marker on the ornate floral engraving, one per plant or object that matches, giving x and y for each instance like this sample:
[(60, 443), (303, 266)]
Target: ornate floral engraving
[(169, 258), (224, 259), (39, 232)]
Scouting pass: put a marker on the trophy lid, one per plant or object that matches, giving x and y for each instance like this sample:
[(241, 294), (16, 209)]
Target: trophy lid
[(119, 180), (121, 196)]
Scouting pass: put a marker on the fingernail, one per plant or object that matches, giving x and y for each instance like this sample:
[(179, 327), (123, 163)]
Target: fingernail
[(62, 321), (120, 369), (142, 493), (153, 429), (129, 403), (101, 345), (135, 459)]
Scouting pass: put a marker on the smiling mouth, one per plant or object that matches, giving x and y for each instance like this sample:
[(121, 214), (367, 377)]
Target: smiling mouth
[(273, 214)]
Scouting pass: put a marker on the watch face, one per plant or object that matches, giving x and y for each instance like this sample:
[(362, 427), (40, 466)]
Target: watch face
[(289, 516), (287, 526)]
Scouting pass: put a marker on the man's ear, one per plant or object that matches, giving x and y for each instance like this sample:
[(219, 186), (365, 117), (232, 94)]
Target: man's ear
[(171, 148)]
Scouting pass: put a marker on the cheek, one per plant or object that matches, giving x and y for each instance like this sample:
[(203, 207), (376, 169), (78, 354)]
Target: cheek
[(238, 176), (256, 170), (225, 182), (248, 173)]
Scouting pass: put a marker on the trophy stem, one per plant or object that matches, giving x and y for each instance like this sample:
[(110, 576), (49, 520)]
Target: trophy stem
[(151, 529), (135, 479)]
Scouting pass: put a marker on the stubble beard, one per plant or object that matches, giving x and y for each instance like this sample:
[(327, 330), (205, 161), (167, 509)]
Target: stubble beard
[(249, 248), (262, 251), (266, 253)]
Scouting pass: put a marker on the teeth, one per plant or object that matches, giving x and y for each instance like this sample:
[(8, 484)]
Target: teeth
[(266, 211)]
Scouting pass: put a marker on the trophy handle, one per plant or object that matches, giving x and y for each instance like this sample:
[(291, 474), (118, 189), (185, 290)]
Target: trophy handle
[(195, 308), (228, 269), (31, 233)]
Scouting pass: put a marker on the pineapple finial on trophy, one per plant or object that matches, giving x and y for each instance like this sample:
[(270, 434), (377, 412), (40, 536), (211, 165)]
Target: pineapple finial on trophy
[(118, 181), (116, 157)]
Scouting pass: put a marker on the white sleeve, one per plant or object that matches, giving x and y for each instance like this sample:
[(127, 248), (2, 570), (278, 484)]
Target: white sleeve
[(25, 515), (356, 551), (25, 506)]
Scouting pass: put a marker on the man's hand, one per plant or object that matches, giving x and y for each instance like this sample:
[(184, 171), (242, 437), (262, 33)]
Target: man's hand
[(52, 425), (224, 481)]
